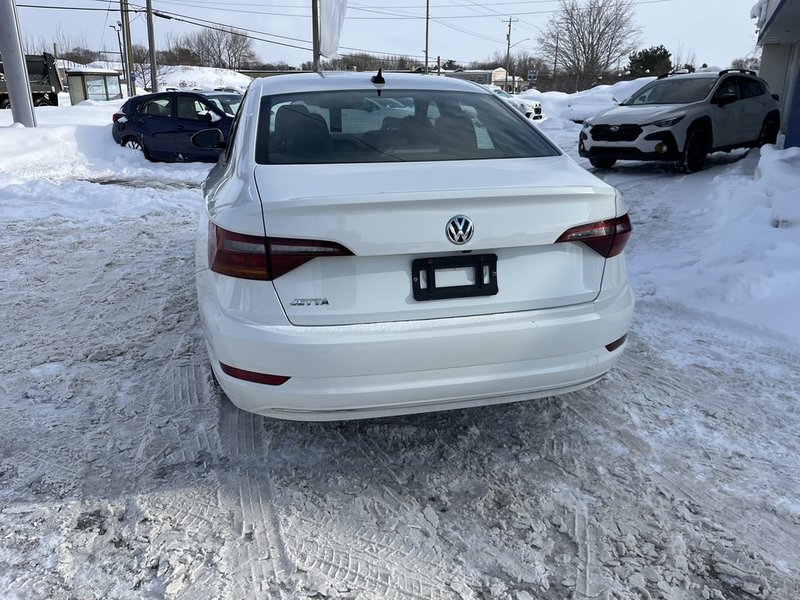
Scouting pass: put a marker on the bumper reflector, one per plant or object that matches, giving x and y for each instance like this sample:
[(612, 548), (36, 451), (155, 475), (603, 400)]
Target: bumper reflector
[(263, 378), (616, 344)]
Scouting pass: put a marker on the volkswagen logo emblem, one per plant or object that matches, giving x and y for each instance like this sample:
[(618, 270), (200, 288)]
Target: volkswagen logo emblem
[(459, 230), (614, 128)]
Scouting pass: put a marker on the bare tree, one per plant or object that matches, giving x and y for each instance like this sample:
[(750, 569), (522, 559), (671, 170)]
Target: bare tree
[(748, 63), (226, 47), (496, 60), (524, 62), (176, 52), (586, 39), (141, 67), (684, 58)]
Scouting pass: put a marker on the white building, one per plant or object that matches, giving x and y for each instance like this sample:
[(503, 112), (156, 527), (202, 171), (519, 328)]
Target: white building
[(778, 24)]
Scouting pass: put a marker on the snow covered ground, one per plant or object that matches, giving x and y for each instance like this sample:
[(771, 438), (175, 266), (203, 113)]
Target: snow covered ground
[(125, 474)]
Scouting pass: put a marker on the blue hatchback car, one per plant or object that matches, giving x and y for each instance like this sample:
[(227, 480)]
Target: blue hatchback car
[(161, 125)]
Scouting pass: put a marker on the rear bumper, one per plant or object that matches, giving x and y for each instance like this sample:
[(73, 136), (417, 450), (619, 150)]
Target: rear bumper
[(358, 371)]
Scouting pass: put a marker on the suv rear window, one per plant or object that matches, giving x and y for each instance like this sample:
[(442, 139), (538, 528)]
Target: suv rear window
[(352, 126)]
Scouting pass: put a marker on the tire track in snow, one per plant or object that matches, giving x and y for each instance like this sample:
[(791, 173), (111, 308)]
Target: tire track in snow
[(373, 560), (708, 397), (258, 560)]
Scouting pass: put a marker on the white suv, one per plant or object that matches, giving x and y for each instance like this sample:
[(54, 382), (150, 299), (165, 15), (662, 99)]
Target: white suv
[(684, 117), (530, 108)]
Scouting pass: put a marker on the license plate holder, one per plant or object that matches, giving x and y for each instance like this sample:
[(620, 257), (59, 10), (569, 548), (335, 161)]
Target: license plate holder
[(458, 277)]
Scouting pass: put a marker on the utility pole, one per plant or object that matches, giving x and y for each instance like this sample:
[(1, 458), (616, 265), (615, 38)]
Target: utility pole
[(508, 47), (151, 41), (126, 36), (15, 66), (315, 34), (427, 21)]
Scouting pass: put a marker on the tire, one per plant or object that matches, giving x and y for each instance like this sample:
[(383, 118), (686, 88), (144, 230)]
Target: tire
[(42, 102), (136, 144), (603, 163), (5, 103), (695, 151), (769, 132)]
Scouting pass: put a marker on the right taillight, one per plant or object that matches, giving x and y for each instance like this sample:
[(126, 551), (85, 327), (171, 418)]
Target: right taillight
[(117, 116), (607, 238), (264, 258)]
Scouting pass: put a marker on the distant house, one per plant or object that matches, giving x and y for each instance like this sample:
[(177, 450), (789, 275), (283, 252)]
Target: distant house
[(778, 23)]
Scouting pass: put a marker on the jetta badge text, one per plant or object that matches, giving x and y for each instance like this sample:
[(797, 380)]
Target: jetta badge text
[(459, 230), (310, 302)]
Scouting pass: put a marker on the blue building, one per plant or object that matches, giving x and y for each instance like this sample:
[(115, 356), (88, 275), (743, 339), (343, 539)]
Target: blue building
[(778, 23)]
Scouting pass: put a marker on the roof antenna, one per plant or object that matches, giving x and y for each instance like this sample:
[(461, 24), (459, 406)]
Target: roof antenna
[(378, 81)]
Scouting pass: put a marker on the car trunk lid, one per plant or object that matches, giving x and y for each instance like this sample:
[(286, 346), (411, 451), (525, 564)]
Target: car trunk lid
[(394, 220)]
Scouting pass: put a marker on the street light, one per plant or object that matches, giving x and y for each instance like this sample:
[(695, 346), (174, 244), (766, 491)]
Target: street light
[(118, 28), (508, 54)]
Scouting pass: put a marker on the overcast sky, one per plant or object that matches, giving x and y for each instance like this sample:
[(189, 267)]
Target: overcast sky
[(712, 31)]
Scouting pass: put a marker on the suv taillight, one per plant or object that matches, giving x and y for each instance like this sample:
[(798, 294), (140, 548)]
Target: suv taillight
[(607, 238), (265, 258), (117, 116)]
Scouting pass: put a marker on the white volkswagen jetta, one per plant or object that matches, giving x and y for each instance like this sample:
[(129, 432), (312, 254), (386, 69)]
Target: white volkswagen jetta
[(352, 266)]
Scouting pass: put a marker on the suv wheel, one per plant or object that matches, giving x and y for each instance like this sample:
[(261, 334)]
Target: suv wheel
[(135, 144), (603, 163), (769, 132), (695, 151)]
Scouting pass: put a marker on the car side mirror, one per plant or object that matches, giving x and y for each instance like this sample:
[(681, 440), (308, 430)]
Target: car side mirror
[(209, 116), (209, 138), (725, 99), (776, 97)]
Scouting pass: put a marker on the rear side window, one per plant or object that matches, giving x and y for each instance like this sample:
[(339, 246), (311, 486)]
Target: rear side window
[(157, 107), (191, 108), (399, 126), (228, 104), (750, 88)]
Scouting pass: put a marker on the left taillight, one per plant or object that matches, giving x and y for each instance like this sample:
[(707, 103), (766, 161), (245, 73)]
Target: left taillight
[(607, 238), (264, 258), (117, 116)]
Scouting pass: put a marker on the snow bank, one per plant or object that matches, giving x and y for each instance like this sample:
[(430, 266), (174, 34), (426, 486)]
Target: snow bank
[(78, 174), (585, 104), (732, 243), (204, 78)]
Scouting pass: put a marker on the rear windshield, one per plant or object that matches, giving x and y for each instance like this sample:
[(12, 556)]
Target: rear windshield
[(359, 126), (673, 91)]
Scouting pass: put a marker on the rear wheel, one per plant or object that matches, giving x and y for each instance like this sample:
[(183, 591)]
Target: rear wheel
[(769, 132), (603, 163), (136, 144), (695, 151), (42, 102), (5, 103)]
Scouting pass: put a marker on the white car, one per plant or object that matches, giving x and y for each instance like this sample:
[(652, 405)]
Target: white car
[(684, 117), (530, 108), (452, 258)]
